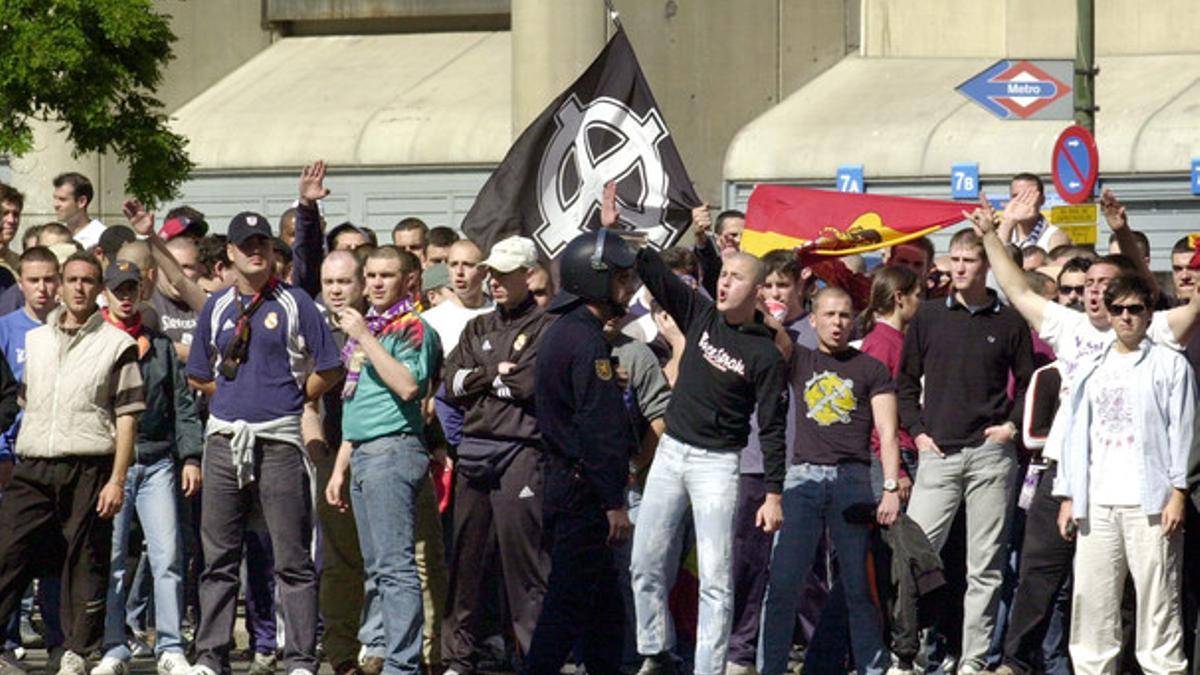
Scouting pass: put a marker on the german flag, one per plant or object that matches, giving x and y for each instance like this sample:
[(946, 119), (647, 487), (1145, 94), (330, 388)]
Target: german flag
[(839, 223)]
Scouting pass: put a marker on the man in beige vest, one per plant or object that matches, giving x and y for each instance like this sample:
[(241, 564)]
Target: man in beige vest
[(82, 391)]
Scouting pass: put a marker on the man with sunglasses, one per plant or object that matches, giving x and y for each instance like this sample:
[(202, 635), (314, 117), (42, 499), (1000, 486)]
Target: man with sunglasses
[(1072, 280), (1131, 429), (1078, 338)]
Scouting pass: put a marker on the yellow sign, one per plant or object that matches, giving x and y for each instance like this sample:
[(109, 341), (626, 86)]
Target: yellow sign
[(1077, 214), (1082, 234)]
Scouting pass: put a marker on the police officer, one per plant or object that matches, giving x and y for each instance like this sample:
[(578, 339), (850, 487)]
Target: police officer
[(589, 440)]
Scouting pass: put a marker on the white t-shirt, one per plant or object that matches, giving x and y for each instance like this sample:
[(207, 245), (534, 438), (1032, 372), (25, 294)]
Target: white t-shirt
[(1076, 342), (450, 318), (1115, 468), (1040, 235), (89, 236)]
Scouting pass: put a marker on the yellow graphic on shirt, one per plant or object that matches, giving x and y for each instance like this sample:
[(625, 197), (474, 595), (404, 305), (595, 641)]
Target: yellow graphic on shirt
[(829, 398)]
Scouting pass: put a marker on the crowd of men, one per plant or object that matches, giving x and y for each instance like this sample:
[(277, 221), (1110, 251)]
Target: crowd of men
[(420, 457)]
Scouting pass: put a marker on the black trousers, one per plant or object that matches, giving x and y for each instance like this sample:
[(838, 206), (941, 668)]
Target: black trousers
[(283, 490), (1045, 564), (751, 560), (342, 576), (49, 526), (509, 512), (583, 606)]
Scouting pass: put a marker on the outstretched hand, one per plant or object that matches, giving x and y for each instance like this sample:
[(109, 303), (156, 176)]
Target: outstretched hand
[(1114, 211), (983, 217), (1022, 207), (610, 211), (312, 183), (139, 218)]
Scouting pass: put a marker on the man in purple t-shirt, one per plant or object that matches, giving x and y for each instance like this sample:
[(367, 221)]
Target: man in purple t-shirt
[(261, 349)]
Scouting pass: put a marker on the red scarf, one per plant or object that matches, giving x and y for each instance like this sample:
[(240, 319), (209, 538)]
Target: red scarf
[(132, 327)]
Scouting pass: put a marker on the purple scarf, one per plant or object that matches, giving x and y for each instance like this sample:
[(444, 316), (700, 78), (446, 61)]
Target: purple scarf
[(353, 357)]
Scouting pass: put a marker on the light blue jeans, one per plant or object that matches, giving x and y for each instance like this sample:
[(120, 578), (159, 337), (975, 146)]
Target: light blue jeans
[(386, 475), (150, 490), (815, 497), (709, 480)]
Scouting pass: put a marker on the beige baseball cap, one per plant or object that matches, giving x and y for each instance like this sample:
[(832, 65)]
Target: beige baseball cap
[(512, 254)]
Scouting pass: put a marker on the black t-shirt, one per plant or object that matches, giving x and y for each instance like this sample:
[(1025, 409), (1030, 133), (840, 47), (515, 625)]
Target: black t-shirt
[(176, 319), (833, 404)]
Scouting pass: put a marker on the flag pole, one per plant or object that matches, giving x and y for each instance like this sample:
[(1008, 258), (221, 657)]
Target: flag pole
[(613, 15)]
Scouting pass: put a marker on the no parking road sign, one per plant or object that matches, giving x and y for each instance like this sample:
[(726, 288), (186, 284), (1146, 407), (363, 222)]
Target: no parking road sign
[(1075, 164)]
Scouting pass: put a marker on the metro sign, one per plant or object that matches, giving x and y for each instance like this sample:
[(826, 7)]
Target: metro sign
[(1023, 89)]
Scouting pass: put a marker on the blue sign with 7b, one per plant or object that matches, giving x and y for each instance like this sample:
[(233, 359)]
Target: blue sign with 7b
[(850, 178), (1196, 176), (964, 181)]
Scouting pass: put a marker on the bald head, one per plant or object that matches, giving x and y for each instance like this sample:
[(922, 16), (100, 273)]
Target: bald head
[(830, 294), (138, 253), (751, 265), (466, 275)]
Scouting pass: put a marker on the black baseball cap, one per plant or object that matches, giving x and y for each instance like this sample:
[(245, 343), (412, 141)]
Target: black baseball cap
[(248, 224), (119, 272), (113, 238)]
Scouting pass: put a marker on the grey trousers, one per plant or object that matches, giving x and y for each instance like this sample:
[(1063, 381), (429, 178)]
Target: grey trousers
[(984, 477), (283, 488)]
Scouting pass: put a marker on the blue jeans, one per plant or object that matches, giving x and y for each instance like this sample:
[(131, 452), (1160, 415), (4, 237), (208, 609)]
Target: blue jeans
[(709, 480), (816, 497), (386, 475), (150, 490)]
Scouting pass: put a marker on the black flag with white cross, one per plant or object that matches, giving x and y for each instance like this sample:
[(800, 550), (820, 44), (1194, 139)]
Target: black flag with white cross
[(605, 127)]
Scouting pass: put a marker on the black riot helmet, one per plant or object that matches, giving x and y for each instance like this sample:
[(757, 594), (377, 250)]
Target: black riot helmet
[(586, 268)]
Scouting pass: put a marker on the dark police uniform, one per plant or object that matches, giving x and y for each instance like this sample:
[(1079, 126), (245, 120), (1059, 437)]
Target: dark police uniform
[(589, 442)]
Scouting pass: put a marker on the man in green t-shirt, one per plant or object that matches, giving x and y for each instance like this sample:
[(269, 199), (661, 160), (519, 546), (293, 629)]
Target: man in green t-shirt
[(389, 356)]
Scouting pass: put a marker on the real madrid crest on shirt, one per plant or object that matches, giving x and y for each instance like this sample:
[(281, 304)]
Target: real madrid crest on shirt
[(271, 320), (604, 369)]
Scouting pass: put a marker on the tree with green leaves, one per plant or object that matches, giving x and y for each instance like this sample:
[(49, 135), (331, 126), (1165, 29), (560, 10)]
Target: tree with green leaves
[(93, 66)]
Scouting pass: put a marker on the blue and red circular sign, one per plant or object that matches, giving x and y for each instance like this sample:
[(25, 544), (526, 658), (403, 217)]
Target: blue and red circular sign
[(1075, 164)]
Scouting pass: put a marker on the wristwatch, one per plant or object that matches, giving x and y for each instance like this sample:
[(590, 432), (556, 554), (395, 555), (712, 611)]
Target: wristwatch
[(890, 485)]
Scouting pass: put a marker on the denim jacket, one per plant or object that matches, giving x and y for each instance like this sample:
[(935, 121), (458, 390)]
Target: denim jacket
[(1164, 405)]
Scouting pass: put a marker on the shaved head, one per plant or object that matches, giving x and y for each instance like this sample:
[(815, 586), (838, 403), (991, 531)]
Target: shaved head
[(339, 260), (757, 271), (829, 293)]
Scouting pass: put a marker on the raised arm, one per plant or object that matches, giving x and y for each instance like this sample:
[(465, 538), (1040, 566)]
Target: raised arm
[(1010, 277), (1118, 222), (308, 248), (142, 222)]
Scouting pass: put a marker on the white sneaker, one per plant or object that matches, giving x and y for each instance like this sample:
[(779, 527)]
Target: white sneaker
[(171, 663), (73, 664), (201, 670), (111, 666), (301, 671)]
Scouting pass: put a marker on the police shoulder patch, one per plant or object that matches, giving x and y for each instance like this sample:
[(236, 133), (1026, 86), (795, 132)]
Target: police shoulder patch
[(604, 369)]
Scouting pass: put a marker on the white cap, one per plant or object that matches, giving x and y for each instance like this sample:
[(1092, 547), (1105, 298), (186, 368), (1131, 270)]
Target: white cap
[(512, 254)]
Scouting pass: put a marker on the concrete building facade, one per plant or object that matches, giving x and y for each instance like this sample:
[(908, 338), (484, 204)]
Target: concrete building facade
[(413, 102)]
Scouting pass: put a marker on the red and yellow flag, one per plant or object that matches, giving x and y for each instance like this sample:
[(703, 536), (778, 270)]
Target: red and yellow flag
[(839, 223)]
